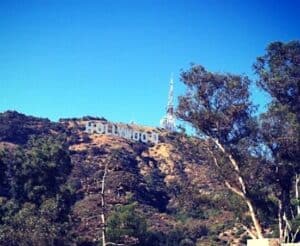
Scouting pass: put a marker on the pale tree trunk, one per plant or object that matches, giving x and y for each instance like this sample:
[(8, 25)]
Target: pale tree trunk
[(297, 192), (240, 191), (286, 233), (103, 206), (103, 222), (297, 181), (254, 218), (287, 230), (281, 227), (295, 235)]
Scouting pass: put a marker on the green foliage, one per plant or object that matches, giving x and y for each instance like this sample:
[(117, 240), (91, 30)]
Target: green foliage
[(38, 172), (35, 198), (124, 223), (33, 226), (279, 73), (175, 237), (217, 105)]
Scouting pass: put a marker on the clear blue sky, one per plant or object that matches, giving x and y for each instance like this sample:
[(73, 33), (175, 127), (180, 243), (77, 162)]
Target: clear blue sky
[(68, 58)]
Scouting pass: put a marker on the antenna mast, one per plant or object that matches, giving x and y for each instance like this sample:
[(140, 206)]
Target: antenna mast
[(168, 121)]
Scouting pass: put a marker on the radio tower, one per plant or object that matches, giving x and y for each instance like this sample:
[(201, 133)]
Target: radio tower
[(168, 121)]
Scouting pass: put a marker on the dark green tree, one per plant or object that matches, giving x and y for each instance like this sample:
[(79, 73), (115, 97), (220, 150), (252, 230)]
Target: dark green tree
[(279, 75)]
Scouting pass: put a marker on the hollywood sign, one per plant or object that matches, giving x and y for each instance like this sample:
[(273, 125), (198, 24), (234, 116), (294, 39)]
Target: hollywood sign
[(121, 131)]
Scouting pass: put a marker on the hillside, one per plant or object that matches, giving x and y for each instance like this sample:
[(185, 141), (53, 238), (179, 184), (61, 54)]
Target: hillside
[(171, 184)]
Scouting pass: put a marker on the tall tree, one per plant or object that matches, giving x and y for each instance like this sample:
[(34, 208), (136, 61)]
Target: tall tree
[(219, 108), (279, 74)]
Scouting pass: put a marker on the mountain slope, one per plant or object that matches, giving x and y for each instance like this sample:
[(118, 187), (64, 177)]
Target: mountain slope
[(171, 183)]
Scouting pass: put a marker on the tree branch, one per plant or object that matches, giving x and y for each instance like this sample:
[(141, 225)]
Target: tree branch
[(241, 192), (233, 163)]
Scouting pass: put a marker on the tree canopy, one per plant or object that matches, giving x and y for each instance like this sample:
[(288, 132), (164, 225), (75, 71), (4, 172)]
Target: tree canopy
[(256, 157)]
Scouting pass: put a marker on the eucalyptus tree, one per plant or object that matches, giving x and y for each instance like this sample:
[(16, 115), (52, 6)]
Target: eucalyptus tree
[(218, 106), (279, 75)]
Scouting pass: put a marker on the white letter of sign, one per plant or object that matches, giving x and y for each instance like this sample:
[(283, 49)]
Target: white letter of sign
[(90, 127), (106, 130), (124, 132), (100, 128), (154, 137), (144, 137), (114, 130), (135, 135)]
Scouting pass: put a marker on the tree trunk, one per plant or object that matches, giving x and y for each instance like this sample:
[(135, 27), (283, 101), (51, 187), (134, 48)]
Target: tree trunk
[(241, 191), (280, 221), (103, 222), (254, 218), (297, 193), (256, 223)]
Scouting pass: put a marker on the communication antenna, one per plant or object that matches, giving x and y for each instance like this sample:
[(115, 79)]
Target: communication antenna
[(169, 120)]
